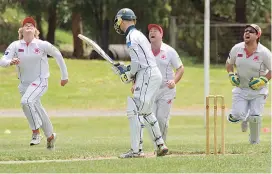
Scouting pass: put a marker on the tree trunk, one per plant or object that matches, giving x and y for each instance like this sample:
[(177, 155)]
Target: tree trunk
[(39, 25), (105, 35), (240, 17), (77, 29), (52, 22)]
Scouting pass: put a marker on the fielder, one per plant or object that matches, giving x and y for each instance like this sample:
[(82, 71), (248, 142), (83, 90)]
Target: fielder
[(147, 76), (253, 65), (29, 54), (167, 60)]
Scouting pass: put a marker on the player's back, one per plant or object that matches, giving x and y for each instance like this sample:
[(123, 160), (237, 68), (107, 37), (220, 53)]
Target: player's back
[(140, 49)]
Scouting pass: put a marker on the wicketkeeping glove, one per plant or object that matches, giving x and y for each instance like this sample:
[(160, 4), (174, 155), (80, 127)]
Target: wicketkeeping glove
[(257, 83), (234, 79)]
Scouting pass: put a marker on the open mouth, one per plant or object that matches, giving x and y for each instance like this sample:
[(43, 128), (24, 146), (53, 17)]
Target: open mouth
[(152, 37), (247, 37)]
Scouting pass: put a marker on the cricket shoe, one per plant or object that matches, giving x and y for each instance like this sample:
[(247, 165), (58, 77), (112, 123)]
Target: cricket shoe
[(162, 150), (51, 142), (131, 154), (244, 126), (36, 139), (232, 119)]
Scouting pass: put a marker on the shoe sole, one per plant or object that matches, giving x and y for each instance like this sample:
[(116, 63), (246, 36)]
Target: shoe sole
[(163, 152)]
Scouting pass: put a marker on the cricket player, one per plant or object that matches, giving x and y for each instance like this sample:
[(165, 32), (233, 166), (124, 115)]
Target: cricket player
[(29, 54), (167, 60), (253, 65), (148, 79)]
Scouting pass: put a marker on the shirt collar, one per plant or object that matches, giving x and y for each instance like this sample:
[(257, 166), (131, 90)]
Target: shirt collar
[(129, 28), (33, 41)]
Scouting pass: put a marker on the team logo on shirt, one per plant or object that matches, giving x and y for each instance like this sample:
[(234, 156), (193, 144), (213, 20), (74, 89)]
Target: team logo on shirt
[(256, 58), (163, 57), (6, 53), (36, 50), (21, 50), (240, 55)]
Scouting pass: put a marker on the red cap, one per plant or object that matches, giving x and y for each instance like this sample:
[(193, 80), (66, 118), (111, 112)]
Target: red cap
[(156, 26), (29, 20)]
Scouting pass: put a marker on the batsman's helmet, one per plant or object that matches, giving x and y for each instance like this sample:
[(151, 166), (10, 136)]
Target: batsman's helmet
[(123, 14)]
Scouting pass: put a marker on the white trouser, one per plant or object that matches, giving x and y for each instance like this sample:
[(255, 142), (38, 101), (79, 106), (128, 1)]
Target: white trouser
[(146, 88), (32, 107), (246, 101), (162, 107)]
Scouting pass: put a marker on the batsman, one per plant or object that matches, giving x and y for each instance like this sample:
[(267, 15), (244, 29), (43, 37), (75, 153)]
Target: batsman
[(144, 71), (253, 65)]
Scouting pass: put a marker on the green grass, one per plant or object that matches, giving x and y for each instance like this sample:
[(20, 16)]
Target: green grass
[(94, 137), (93, 85)]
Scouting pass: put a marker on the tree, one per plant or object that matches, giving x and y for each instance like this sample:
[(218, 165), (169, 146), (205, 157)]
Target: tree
[(77, 29), (52, 21)]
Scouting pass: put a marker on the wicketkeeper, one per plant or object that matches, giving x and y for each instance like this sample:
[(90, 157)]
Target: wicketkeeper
[(253, 65)]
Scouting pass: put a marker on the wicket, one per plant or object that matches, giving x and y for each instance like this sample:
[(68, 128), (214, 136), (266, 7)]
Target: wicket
[(215, 100)]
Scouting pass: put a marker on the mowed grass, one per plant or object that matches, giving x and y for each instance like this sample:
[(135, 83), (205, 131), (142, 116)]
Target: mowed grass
[(92, 85), (98, 137)]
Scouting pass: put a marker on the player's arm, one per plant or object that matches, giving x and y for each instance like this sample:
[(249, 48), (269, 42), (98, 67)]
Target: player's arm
[(234, 79), (268, 64), (179, 74), (177, 64), (133, 53), (8, 58), (257, 83), (54, 52)]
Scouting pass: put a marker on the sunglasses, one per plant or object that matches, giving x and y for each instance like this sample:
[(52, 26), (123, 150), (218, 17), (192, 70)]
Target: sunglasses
[(250, 31)]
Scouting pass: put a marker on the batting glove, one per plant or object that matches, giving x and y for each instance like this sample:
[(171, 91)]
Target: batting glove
[(234, 79), (257, 83), (123, 71)]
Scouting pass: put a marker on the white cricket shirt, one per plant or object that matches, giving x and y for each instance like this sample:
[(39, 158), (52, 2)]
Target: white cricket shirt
[(248, 66), (167, 60), (33, 59), (139, 49)]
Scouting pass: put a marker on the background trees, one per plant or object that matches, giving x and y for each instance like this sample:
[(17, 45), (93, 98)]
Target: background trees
[(94, 18)]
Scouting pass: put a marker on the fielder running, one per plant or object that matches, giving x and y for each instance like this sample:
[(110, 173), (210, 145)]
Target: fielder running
[(148, 79), (29, 54), (253, 65), (167, 59)]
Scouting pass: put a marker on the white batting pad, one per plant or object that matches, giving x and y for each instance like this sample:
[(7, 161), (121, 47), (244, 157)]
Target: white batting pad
[(255, 129), (152, 125), (135, 123)]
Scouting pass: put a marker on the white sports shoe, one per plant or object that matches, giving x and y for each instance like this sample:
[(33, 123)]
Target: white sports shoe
[(244, 126), (162, 150), (131, 154), (36, 139), (51, 143)]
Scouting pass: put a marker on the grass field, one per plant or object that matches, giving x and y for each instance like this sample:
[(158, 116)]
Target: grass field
[(93, 138), (93, 85)]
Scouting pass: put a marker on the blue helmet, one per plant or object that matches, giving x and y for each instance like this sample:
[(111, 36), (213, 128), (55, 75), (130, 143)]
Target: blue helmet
[(123, 14)]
